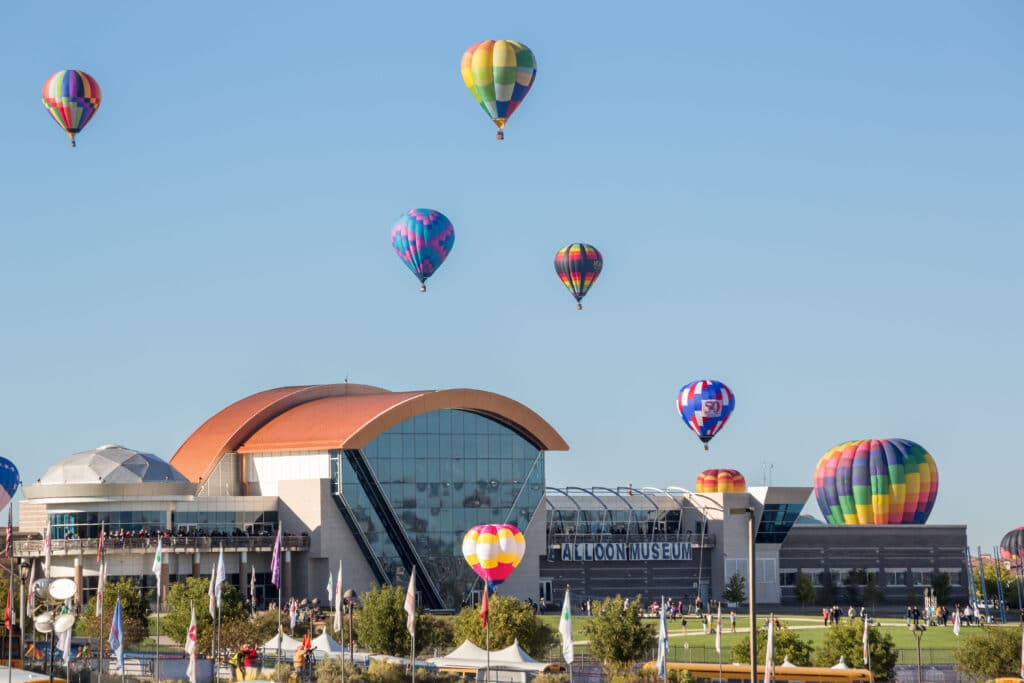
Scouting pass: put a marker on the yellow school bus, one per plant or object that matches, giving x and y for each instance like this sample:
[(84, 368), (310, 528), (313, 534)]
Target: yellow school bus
[(740, 673)]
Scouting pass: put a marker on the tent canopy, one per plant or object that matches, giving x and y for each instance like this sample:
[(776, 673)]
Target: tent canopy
[(288, 644), (470, 656), (327, 644)]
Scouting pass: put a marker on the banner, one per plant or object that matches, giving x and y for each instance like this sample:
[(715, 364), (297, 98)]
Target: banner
[(625, 552)]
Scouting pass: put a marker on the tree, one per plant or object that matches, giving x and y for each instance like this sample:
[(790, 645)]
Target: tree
[(1009, 581), (510, 620), (735, 589), (785, 643), (992, 653), (192, 591), (238, 631), (804, 589), (380, 623), (134, 611), (942, 588), (618, 636), (873, 594), (854, 580), (845, 640), (827, 592)]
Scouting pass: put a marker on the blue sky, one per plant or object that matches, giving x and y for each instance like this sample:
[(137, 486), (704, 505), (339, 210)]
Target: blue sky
[(817, 203)]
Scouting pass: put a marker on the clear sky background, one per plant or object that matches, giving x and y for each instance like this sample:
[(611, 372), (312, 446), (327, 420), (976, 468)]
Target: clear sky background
[(817, 203)]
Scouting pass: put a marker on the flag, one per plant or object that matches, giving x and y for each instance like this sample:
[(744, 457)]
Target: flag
[(565, 628), (718, 630), (330, 587), (99, 546), (293, 613), (32, 593), (10, 522), (64, 643), (101, 579), (221, 576), (485, 608), (769, 651), (275, 563), (158, 562), (956, 622), (116, 637), (307, 642), (410, 604), (213, 595), (867, 649), (49, 550), (662, 643), (337, 601), (190, 646), (252, 588), (7, 612)]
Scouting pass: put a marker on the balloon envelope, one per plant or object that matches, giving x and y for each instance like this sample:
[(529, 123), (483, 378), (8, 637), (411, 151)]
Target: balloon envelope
[(423, 238), (578, 266), (721, 481), (493, 551), (499, 73), (876, 481), (1012, 545), (71, 97), (705, 406), (9, 481)]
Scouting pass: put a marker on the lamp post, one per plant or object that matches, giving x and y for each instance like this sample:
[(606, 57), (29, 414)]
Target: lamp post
[(24, 571), (751, 577), (350, 602), (918, 631)]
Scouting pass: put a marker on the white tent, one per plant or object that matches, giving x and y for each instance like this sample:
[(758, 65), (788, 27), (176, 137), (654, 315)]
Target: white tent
[(288, 645), (469, 656), (325, 643)]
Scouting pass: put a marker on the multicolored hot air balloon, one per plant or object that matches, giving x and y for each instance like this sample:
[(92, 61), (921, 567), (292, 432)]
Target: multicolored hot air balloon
[(499, 73), (721, 481), (9, 481), (876, 481), (493, 551), (423, 238), (705, 406), (71, 97), (1012, 545), (578, 266)]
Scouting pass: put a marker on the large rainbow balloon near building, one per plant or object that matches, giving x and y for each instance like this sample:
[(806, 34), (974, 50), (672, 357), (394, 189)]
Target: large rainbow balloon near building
[(1012, 545), (721, 481), (876, 481), (493, 551)]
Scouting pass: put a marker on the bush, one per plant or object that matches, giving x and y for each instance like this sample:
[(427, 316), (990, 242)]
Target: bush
[(618, 636), (551, 678), (510, 620), (786, 643), (844, 640), (992, 653)]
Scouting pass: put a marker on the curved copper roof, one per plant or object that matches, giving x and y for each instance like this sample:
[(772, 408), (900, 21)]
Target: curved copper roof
[(328, 416)]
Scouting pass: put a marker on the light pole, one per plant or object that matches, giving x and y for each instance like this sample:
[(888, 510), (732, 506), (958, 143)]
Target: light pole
[(918, 631), (24, 570), (751, 577), (350, 604)]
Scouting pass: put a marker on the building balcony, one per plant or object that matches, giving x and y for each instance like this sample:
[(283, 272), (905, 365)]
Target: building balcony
[(695, 540), (171, 544)]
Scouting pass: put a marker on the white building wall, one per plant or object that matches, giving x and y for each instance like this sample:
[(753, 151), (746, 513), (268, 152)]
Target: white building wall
[(263, 471), (525, 580)]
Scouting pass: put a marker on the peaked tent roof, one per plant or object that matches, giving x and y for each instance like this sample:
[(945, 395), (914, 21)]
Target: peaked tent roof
[(288, 644), (327, 644), (469, 655)]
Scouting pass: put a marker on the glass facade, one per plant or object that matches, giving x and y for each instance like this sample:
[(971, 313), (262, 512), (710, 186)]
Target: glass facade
[(226, 523), (776, 521), (441, 473), (75, 525)]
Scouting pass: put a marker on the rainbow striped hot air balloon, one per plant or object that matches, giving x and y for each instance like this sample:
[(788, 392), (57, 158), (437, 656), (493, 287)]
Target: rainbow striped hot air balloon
[(499, 73), (493, 551), (876, 481), (423, 238), (71, 97), (721, 481), (578, 266)]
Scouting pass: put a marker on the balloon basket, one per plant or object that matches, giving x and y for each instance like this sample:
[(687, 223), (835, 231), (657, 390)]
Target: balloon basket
[(73, 144), (579, 307), (500, 135), (423, 288), (706, 447)]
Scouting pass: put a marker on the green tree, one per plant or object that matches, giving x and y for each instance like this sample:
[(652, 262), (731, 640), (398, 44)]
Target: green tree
[(183, 594), (873, 594), (992, 582), (735, 590), (845, 640), (618, 636), (134, 611), (510, 619), (804, 589), (989, 653), (855, 580), (244, 629), (827, 592), (942, 588), (785, 643), (380, 623)]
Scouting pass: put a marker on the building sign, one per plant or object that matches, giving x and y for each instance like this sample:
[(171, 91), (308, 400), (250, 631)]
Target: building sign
[(625, 552)]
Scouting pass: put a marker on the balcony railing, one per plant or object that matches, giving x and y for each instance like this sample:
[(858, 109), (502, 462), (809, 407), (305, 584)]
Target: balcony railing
[(694, 539), (59, 547)]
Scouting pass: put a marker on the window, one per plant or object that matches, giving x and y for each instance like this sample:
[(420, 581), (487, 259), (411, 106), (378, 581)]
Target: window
[(766, 569), (895, 577), (953, 574), (921, 577), (787, 577)]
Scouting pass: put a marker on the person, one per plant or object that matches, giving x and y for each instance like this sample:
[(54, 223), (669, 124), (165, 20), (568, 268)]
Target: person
[(249, 655), (824, 615), (850, 613), (732, 621), (910, 615), (684, 623), (238, 665)]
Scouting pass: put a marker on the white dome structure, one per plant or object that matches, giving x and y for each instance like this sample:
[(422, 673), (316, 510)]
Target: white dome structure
[(110, 470)]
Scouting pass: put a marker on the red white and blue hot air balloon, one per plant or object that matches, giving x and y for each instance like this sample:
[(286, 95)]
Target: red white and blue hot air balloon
[(705, 406)]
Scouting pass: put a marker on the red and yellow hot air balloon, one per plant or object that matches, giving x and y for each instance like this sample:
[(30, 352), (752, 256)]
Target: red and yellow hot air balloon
[(493, 551), (71, 97), (721, 481)]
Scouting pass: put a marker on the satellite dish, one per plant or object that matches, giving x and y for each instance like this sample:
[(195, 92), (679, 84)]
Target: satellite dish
[(62, 589), (44, 623), (39, 589), (64, 623)]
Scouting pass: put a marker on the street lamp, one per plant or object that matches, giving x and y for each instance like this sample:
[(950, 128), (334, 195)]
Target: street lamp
[(24, 571), (349, 598), (918, 631), (753, 582)]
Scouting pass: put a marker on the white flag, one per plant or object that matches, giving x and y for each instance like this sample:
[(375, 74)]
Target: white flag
[(221, 575), (102, 579), (190, 647), (337, 601), (867, 649), (65, 646), (330, 587), (410, 604), (662, 644), (158, 562), (718, 630), (213, 593), (769, 651), (956, 622), (565, 628)]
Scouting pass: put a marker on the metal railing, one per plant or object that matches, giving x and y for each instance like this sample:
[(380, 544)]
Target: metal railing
[(36, 548)]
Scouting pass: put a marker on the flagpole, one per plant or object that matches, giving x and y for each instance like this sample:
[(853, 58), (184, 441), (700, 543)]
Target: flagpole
[(10, 589), (99, 641), (487, 630)]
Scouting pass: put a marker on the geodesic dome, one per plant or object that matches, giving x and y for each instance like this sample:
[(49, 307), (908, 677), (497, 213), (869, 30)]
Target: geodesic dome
[(111, 465)]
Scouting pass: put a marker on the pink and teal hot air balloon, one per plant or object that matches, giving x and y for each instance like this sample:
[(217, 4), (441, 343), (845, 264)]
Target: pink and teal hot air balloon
[(423, 238), (71, 97), (493, 551), (876, 481)]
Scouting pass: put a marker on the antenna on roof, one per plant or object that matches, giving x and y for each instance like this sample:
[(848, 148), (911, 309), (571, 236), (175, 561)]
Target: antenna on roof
[(346, 378)]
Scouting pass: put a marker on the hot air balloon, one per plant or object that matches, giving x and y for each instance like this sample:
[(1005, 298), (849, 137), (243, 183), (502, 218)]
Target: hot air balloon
[(705, 406), (499, 73), (9, 481), (1012, 545), (71, 97), (876, 481), (578, 266), (721, 481), (493, 551), (423, 238)]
